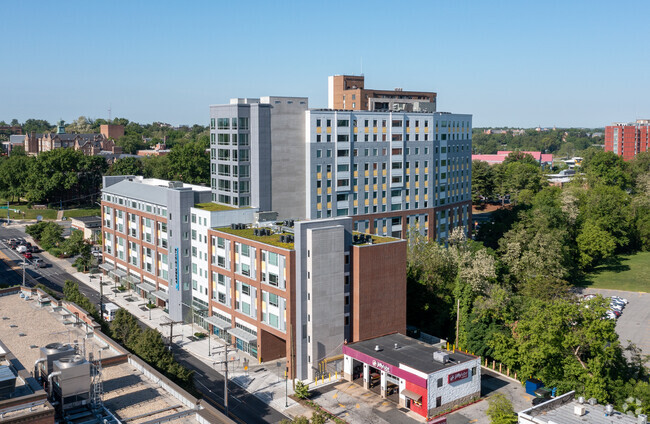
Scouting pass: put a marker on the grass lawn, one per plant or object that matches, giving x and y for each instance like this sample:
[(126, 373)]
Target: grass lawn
[(625, 272), (31, 214), (75, 213)]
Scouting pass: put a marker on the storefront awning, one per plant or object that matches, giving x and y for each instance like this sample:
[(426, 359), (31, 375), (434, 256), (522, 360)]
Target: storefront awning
[(119, 273), (242, 335), (106, 267), (132, 279), (411, 395), (161, 295), (217, 322), (149, 288)]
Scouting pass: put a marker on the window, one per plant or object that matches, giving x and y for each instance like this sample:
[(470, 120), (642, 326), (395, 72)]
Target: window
[(440, 382), (223, 123), (243, 123), (342, 123), (273, 258)]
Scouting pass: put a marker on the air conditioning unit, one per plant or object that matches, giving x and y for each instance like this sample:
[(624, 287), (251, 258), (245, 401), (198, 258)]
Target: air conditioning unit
[(579, 410)]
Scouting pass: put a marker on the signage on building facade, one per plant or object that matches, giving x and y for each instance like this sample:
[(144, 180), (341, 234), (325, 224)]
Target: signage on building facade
[(457, 376), (381, 366), (176, 274)]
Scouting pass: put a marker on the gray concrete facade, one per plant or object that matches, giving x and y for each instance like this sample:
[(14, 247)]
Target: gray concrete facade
[(320, 290), (260, 164)]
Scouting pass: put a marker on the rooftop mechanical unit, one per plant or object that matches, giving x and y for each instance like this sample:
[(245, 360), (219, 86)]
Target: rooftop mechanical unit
[(70, 381), (50, 353), (7, 382)]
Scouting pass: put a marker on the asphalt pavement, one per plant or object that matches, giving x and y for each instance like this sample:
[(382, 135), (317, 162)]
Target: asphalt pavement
[(243, 406)]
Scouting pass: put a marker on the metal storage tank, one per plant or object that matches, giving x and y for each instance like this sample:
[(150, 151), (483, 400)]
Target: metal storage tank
[(74, 377)]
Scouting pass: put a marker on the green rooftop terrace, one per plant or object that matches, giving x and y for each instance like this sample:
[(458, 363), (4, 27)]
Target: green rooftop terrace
[(213, 207), (273, 239), (375, 239)]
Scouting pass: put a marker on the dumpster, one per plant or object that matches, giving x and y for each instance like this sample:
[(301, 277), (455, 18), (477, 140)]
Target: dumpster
[(533, 384)]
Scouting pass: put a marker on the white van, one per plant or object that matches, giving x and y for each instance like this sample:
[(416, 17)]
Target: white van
[(110, 309), (21, 249)]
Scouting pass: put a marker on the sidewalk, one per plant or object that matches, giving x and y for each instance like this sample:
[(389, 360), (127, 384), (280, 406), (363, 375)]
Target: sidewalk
[(265, 381)]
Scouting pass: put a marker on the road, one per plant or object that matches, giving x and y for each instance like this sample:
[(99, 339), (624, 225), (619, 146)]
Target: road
[(243, 406)]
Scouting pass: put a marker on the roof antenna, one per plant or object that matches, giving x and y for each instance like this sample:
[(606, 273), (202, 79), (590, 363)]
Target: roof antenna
[(109, 113), (361, 65)]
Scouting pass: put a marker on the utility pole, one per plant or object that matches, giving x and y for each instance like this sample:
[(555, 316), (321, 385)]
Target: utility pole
[(23, 271), (171, 330), (225, 381), (101, 297), (457, 319)]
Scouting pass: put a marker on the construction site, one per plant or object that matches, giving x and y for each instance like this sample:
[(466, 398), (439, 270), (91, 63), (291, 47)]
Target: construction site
[(56, 366)]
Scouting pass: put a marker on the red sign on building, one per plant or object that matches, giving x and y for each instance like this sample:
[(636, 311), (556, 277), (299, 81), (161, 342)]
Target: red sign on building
[(460, 375)]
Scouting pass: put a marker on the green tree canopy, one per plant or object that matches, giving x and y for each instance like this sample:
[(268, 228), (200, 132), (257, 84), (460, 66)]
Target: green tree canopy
[(126, 166)]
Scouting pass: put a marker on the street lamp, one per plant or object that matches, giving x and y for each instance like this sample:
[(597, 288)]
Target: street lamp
[(23, 271)]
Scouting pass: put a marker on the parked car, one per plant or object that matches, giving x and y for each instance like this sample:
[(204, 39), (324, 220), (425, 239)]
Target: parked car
[(38, 263), (621, 299), (615, 312), (28, 255), (616, 307), (610, 315)]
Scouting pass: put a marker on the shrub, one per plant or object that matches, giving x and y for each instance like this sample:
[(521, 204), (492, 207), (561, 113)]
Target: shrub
[(301, 390)]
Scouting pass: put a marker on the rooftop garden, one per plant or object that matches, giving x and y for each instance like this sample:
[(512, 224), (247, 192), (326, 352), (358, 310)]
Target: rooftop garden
[(213, 207), (273, 239), (375, 239)]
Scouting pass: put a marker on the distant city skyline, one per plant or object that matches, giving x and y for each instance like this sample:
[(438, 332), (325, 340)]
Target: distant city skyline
[(508, 63)]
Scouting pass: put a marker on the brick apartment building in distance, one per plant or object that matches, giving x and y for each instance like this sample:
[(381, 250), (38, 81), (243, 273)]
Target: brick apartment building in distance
[(89, 144), (394, 168), (347, 92), (626, 140)]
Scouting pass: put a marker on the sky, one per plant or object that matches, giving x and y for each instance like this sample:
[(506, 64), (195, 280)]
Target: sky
[(565, 63)]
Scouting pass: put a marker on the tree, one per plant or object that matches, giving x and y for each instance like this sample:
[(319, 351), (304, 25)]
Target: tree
[(13, 173), (482, 181), (125, 328), (51, 236), (500, 410), (157, 167), (81, 125), (594, 245), (190, 163), (126, 166), (131, 143), (607, 168), (36, 126), (301, 390)]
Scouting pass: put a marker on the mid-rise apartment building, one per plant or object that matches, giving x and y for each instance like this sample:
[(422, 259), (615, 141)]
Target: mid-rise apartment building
[(628, 139), (300, 292), (391, 169), (293, 290), (146, 238)]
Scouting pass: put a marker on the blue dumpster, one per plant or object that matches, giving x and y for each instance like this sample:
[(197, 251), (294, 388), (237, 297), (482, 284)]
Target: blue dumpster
[(533, 384)]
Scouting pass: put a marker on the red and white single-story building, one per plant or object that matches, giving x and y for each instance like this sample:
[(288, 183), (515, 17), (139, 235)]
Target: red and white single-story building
[(418, 376)]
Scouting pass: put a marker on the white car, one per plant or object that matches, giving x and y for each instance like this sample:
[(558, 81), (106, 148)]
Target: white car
[(620, 299), (610, 315), (616, 307)]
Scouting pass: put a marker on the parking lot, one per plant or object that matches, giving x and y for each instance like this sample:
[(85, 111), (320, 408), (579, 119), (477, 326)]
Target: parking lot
[(634, 322)]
